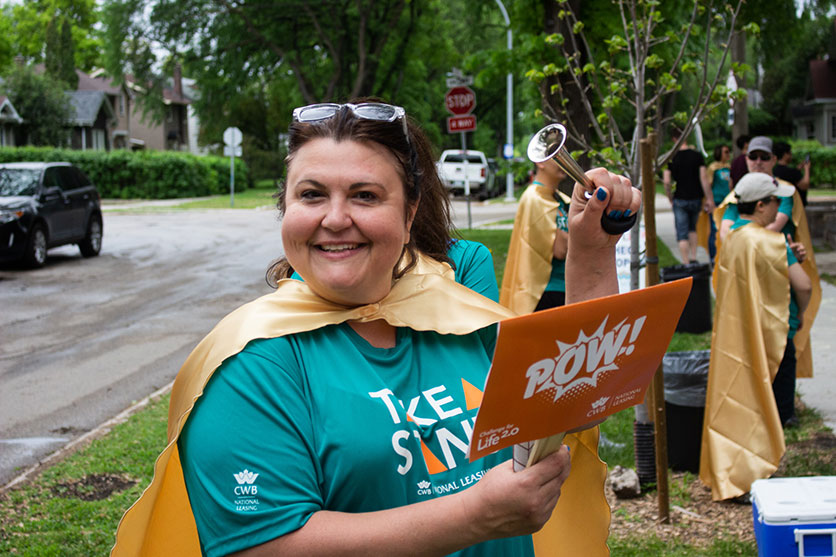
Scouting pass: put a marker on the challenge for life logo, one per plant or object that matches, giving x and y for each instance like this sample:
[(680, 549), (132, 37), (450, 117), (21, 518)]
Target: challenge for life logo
[(246, 491), (584, 360)]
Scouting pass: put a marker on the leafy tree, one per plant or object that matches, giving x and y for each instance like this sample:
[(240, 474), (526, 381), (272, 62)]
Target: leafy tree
[(29, 35), (6, 51), (631, 84), (60, 52), (43, 105), (787, 43), (270, 57)]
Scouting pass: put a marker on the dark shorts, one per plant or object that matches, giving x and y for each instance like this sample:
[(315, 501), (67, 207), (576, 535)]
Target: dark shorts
[(551, 299), (685, 215)]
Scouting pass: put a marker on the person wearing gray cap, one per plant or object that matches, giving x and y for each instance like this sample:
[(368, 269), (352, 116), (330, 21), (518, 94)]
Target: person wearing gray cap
[(759, 158)]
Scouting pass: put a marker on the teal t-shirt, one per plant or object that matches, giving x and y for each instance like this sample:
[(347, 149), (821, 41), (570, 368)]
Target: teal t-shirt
[(720, 184), (791, 260), (557, 280), (474, 267), (322, 420)]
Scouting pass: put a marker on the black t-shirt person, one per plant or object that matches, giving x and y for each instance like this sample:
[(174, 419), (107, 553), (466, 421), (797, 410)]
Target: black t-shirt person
[(791, 175), (685, 172)]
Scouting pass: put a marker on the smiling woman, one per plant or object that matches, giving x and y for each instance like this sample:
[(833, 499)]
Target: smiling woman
[(345, 225), (333, 416)]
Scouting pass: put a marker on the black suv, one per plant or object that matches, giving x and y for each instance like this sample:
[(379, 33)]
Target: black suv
[(45, 205)]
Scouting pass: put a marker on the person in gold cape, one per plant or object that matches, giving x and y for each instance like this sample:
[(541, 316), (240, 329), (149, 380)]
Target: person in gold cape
[(534, 276), (757, 276), (791, 220), (332, 416)]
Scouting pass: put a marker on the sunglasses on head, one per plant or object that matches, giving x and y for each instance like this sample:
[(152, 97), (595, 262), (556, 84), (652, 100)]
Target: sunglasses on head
[(762, 156), (380, 112)]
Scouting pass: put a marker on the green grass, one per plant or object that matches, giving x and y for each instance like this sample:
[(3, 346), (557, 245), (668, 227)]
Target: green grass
[(47, 516), (642, 546), (496, 241), (821, 192), (261, 195)]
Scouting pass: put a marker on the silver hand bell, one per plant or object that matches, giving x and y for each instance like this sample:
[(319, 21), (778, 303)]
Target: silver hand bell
[(549, 143)]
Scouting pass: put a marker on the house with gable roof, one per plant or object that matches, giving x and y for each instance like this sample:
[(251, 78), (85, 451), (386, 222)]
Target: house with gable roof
[(172, 134), (815, 116), (91, 120), (9, 120), (106, 115)]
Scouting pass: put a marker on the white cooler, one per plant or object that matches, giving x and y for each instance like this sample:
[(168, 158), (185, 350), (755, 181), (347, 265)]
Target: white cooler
[(795, 516)]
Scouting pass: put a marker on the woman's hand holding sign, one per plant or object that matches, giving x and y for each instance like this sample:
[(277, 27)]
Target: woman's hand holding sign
[(506, 503)]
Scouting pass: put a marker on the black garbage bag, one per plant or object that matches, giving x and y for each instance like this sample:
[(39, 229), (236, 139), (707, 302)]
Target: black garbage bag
[(696, 317), (686, 379)]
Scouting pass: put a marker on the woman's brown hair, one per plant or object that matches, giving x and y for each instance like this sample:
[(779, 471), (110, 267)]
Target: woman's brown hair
[(431, 228)]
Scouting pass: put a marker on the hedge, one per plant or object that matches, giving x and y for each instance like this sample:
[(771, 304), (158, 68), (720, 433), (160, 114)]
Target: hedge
[(121, 174)]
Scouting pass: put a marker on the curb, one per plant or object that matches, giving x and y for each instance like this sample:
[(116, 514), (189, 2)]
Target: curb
[(78, 442)]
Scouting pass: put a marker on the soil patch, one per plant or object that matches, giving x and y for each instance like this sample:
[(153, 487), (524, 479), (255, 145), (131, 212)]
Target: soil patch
[(694, 518), (93, 487), (697, 520)]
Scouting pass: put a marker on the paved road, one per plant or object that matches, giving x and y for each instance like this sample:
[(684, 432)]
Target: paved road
[(82, 339)]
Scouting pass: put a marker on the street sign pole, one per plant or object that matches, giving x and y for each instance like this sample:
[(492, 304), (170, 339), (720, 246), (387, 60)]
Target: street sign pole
[(460, 101), (466, 179), (232, 147), (232, 179)]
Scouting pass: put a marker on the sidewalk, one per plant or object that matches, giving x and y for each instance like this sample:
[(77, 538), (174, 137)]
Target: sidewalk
[(818, 392)]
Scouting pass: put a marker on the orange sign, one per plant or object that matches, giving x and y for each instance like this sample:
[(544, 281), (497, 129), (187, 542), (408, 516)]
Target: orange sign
[(559, 369)]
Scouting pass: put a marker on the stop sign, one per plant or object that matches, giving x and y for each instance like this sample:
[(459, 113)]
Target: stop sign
[(460, 100)]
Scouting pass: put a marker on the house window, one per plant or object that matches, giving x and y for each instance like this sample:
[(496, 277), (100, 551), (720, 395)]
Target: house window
[(811, 130), (99, 142), (121, 105)]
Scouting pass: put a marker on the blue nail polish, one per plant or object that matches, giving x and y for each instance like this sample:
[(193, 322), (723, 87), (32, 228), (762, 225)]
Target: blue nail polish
[(627, 213), (601, 194), (614, 214)]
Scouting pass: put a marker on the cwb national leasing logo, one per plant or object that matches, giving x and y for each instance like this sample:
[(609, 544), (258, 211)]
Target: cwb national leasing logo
[(245, 499)]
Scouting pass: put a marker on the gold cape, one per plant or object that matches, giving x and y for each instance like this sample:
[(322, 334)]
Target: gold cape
[(742, 438), (803, 350), (161, 523), (531, 250), (703, 229)]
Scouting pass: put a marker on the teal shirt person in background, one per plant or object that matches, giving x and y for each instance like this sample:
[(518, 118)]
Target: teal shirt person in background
[(720, 173)]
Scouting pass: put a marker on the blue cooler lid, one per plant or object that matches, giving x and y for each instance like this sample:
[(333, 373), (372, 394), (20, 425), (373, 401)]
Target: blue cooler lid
[(781, 500)]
